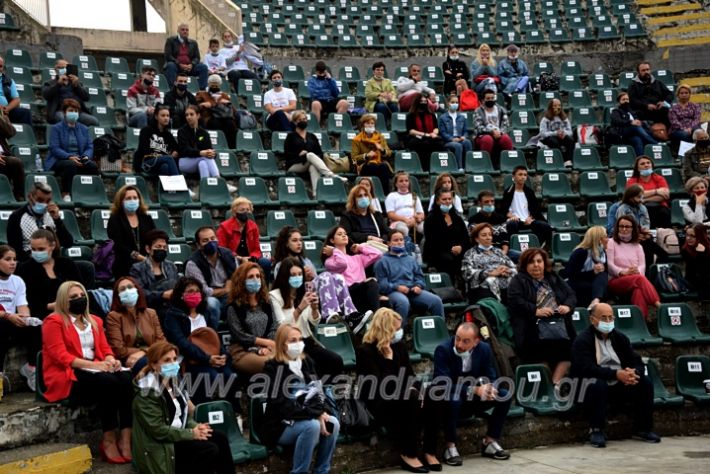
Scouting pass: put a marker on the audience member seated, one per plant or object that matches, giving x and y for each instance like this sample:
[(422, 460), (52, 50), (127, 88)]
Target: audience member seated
[(178, 99), (684, 116), (446, 182), (454, 69), (447, 236), (696, 256), (217, 110), (454, 131), (240, 234), (295, 302), (401, 279), (302, 152), (540, 305), (586, 268), (289, 243), (251, 320), (604, 355), (213, 267), (79, 365), (380, 94), (127, 228), (288, 421), (366, 181), (556, 131), (423, 130), (362, 223), (193, 330), (468, 99), (656, 194), (157, 147), (488, 214), (166, 437), (370, 152), (491, 128), (697, 160), (237, 60), (71, 150), (279, 103), (484, 70), (350, 261), (10, 99), (383, 356), (695, 211), (513, 72), (131, 326), (197, 153), (458, 362), (626, 264), (408, 88), (156, 275), (66, 86), (404, 207), (522, 208), (626, 128), (142, 98), (650, 98), (11, 166), (486, 270), (216, 63), (182, 54), (325, 93)]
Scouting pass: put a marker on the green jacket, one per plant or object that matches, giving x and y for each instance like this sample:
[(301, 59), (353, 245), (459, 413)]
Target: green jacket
[(374, 88), (153, 437)]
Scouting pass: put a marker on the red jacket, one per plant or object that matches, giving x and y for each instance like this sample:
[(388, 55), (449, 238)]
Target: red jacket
[(60, 346), (229, 234), (468, 100)]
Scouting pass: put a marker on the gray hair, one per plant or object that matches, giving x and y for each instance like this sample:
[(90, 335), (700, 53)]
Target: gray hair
[(42, 187), (697, 133)]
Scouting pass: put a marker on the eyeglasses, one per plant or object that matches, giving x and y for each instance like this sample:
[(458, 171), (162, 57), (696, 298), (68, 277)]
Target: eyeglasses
[(626, 227)]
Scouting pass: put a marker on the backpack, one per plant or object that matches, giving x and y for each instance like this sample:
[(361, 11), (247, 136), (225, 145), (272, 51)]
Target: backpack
[(667, 239), (503, 353), (549, 81), (103, 260), (497, 314), (668, 280), (245, 120), (109, 146)]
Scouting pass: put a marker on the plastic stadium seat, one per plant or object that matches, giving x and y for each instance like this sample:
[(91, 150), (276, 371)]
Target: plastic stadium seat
[(541, 67), (219, 141), (399, 122), (277, 141), (580, 319), (21, 75), (339, 123), (522, 242), (99, 223), (106, 117), (319, 222), (4, 216), (220, 416), (475, 183), (228, 164), (264, 163), (276, 220), (594, 185), (661, 396), (89, 192), (7, 199), (676, 323), (607, 98), (345, 141), (479, 162), (625, 79), (193, 219), (293, 73), (249, 141), (621, 157), (661, 155), (509, 159), (556, 186), (520, 138), (78, 252), (579, 98), (137, 181), (162, 221), (214, 193), (132, 135), (312, 250), (443, 280), (248, 87), (50, 181), (24, 136), (584, 116), (599, 81), (408, 161), (175, 199), (292, 191), (336, 338), (666, 296), (331, 190), (674, 179), (630, 321), (534, 390), (571, 67), (597, 213), (349, 74), (562, 217), (47, 59), (677, 218), (622, 176), (443, 162), (550, 160), (690, 373), (563, 244), (72, 225), (586, 158), (254, 189), (523, 119), (85, 62), (115, 65), (665, 76), (28, 155), (18, 57), (427, 333)]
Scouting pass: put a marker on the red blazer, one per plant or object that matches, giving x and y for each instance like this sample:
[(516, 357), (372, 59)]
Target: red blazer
[(228, 236), (60, 346)]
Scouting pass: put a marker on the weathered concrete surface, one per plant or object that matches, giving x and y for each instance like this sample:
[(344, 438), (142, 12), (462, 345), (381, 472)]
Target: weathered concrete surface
[(50, 458), (116, 41)]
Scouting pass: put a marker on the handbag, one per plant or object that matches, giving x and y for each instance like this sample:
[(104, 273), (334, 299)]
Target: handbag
[(206, 339), (222, 111), (353, 415), (448, 294), (337, 163), (552, 329)]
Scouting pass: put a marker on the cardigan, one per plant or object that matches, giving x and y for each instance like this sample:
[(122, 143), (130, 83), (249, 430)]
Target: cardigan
[(350, 222), (621, 255), (42, 290), (124, 239), (443, 237), (59, 143)]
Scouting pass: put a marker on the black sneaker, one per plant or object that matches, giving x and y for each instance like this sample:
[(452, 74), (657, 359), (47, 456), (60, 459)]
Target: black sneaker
[(452, 457), (597, 438), (493, 450), (647, 436), (357, 321), (334, 318)]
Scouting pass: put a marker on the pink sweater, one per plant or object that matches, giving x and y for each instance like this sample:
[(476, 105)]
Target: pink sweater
[(620, 256), (352, 267)]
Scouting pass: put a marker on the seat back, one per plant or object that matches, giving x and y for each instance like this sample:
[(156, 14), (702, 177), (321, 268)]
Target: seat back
[(509, 159), (254, 189), (407, 161), (214, 193), (276, 220), (336, 337), (690, 371), (331, 190), (580, 319), (563, 244), (292, 190), (179, 254), (99, 223), (479, 162), (264, 163), (629, 320), (533, 384), (522, 242), (89, 191), (162, 222), (427, 333), (319, 222), (193, 219), (550, 159), (676, 322), (562, 216), (556, 185), (597, 213)]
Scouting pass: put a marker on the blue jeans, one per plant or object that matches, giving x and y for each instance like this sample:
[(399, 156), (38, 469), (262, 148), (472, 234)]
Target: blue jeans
[(138, 120), (305, 435), (425, 300), (161, 166), (200, 70), (215, 306), (638, 137), (386, 108), (460, 149)]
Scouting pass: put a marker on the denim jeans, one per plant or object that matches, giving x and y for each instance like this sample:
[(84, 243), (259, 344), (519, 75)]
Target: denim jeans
[(305, 435), (161, 166), (426, 300), (200, 71), (138, 120), (459, 149)]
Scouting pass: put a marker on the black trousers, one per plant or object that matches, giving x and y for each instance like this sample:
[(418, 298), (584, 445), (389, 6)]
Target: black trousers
[(15, 172), (327, 362), (212, 456), (29, 337), (659, 215), (228, 126), (365, 296), (67, 169), (640, 396), (111, 391), (565, 145), (380, 170), (405, 420)]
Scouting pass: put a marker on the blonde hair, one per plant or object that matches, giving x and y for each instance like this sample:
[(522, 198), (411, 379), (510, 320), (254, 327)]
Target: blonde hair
[(61, 306), (382, 328), (592, 239), (280, 339), (491, 61), (238, 202), (683, 86), (298, 113), (351, 203)]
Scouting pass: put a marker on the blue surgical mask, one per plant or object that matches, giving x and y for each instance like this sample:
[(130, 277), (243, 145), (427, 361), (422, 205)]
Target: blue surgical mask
[(398, 335), (210, 248), (485, 247), (40, 256), (605, 327), (39, 208), (295, 281), (398, 250), (363, 202), (252, 285), (453, 107), (170, 369), (463, 355), (131, 205), (62, 71), (445, 208), (128, 297), (72, 116), (646, 173), (488, 209)]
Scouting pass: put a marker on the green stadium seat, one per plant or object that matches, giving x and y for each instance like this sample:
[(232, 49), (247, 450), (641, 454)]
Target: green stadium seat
[(607, 98), (255, 103), (249, 141), (28, 155), (594, 185), (597, 213), (509, 159), (85, 62), (580, 319), (666, 296), (479, 162), (665, 76), (535, 392), (630, 321), (559, 35), (676, 323), (50, 181), (408, 161), (336, 338), (319, 222), (691, 371), (399, 122), (674, 179), (7, 22), (579, 98), (563, 244), (255, 189), (72, 225), (89, 192), (312, 250), (570, 82), (276, 220), (220, 416), (520, 138), (522, 102), (661, 396), (599, 81), (7, 198), (179, 254), (550, 160), (193, 219), (543, 66), (4, 217), (140, 62), (47, 59), (162, 221), (114, 65), (78, 252), (625, 79), (443, 162), (677, 218), (293, 73), (214, 193), (339, 123), (563, 217), (523, 119), (349, 74), (427, 333), (475, 183), (556, 186), (661, 156), (584, 116), (633, 30), (21, 75), (18, 57), (586, 158), (621, 157), (522, 242), (106, 117), (24, 136), (292, 192), (277, 141), (175, 199), (228, 164), (139, 182), (443, 280), (331, 190), (264, 163), (99, 223), (622, 176)]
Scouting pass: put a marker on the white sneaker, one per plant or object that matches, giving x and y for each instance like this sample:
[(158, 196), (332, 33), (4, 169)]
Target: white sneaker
[(231, 188), (193, 195), (341, 178), (67, 198), (30, 373)]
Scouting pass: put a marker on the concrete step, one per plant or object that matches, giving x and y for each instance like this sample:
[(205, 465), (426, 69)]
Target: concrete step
[(675, 42), (47, 458), (665, 10), (648, 3), (684, 30), (687, 17)]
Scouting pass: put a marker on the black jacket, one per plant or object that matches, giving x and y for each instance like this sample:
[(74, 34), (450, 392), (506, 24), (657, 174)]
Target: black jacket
[(533, 202), (371, 362), (191, 141), (51, 91), (584, 355), (225, 256), (351, 224), (42, 290), (440, 237), (642, 94), (149, 137), (294, 145), (178, 104), (456, 67), (124, 240), (172, 49), (620, 122)]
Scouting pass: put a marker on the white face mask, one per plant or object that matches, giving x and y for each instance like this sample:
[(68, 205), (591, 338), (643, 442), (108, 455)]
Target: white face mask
[(295, 349), (464, 355), (369, 129)]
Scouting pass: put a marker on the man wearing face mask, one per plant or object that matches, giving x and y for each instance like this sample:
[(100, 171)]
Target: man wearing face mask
[(212, 266), (279, 102), (217, 111), (604, 356), (454, 131), (178, 98), (465, 365), (513, 72), (183, 55), (142, 98), (650, 98), (156, 274), (697, 161), (40, 212), (66, 86), (324, 92), (237, 59)]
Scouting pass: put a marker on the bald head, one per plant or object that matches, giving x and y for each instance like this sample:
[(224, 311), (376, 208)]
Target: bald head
[(602, 318), (466, 337), (600, 309)]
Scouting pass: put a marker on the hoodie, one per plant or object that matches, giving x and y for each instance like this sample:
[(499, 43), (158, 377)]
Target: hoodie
[(393, 270)]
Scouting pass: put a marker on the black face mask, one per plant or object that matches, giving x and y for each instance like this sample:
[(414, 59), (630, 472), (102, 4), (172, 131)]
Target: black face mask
[(215, 90), (78, 306), (148, 82), (624, 106), (490, 103), (159, 255), (301, 125), (242, 216), (702, 143), (321, 78), (181, 87)]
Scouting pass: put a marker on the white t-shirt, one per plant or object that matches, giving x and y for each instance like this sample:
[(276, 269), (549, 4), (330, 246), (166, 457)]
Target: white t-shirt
[(13, 293), (519, 206), (280, 98), (197, 322), (402, 204)]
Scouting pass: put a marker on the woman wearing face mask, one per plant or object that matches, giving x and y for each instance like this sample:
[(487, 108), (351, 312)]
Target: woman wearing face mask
[(447, 182), (308, 426), (131, 327), (360, 220), (454, 131), (483, 70), (240, 234), (656, 195), (71, 151), (302, 152), (450, 240), (127, 228), (697, 160), (454, 69), (627, 266), (586, 268), (696, 256), (468, 99), (423, 131), (367, 182), (380, 94), (156, 275), (217, 110), (627, 129), (79, 365), (695, 211), (157, 148), (485, 268), (195, 148), (187, 314), (556, 130), (251, 320), (166, 437), (383, 355), (370, 152), (491, 126), (295, 304)]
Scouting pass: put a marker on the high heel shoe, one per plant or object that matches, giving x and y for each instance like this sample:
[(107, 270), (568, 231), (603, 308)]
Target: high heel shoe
[(408, 467), (128, 458), (104, 457)]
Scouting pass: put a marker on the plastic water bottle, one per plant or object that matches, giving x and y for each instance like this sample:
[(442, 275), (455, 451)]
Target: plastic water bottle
[(32, 321), (38, 163), (418, 254)]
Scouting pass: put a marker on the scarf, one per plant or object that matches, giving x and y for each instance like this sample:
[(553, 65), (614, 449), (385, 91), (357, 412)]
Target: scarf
[(371, 143), (425, 122)]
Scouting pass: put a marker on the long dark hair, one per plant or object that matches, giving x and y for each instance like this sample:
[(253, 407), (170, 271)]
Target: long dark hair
[(701, 237), (630, 193), (281, 282), (634, 229), (328, 241), (282, 251), (179, 291), (116, 304)]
